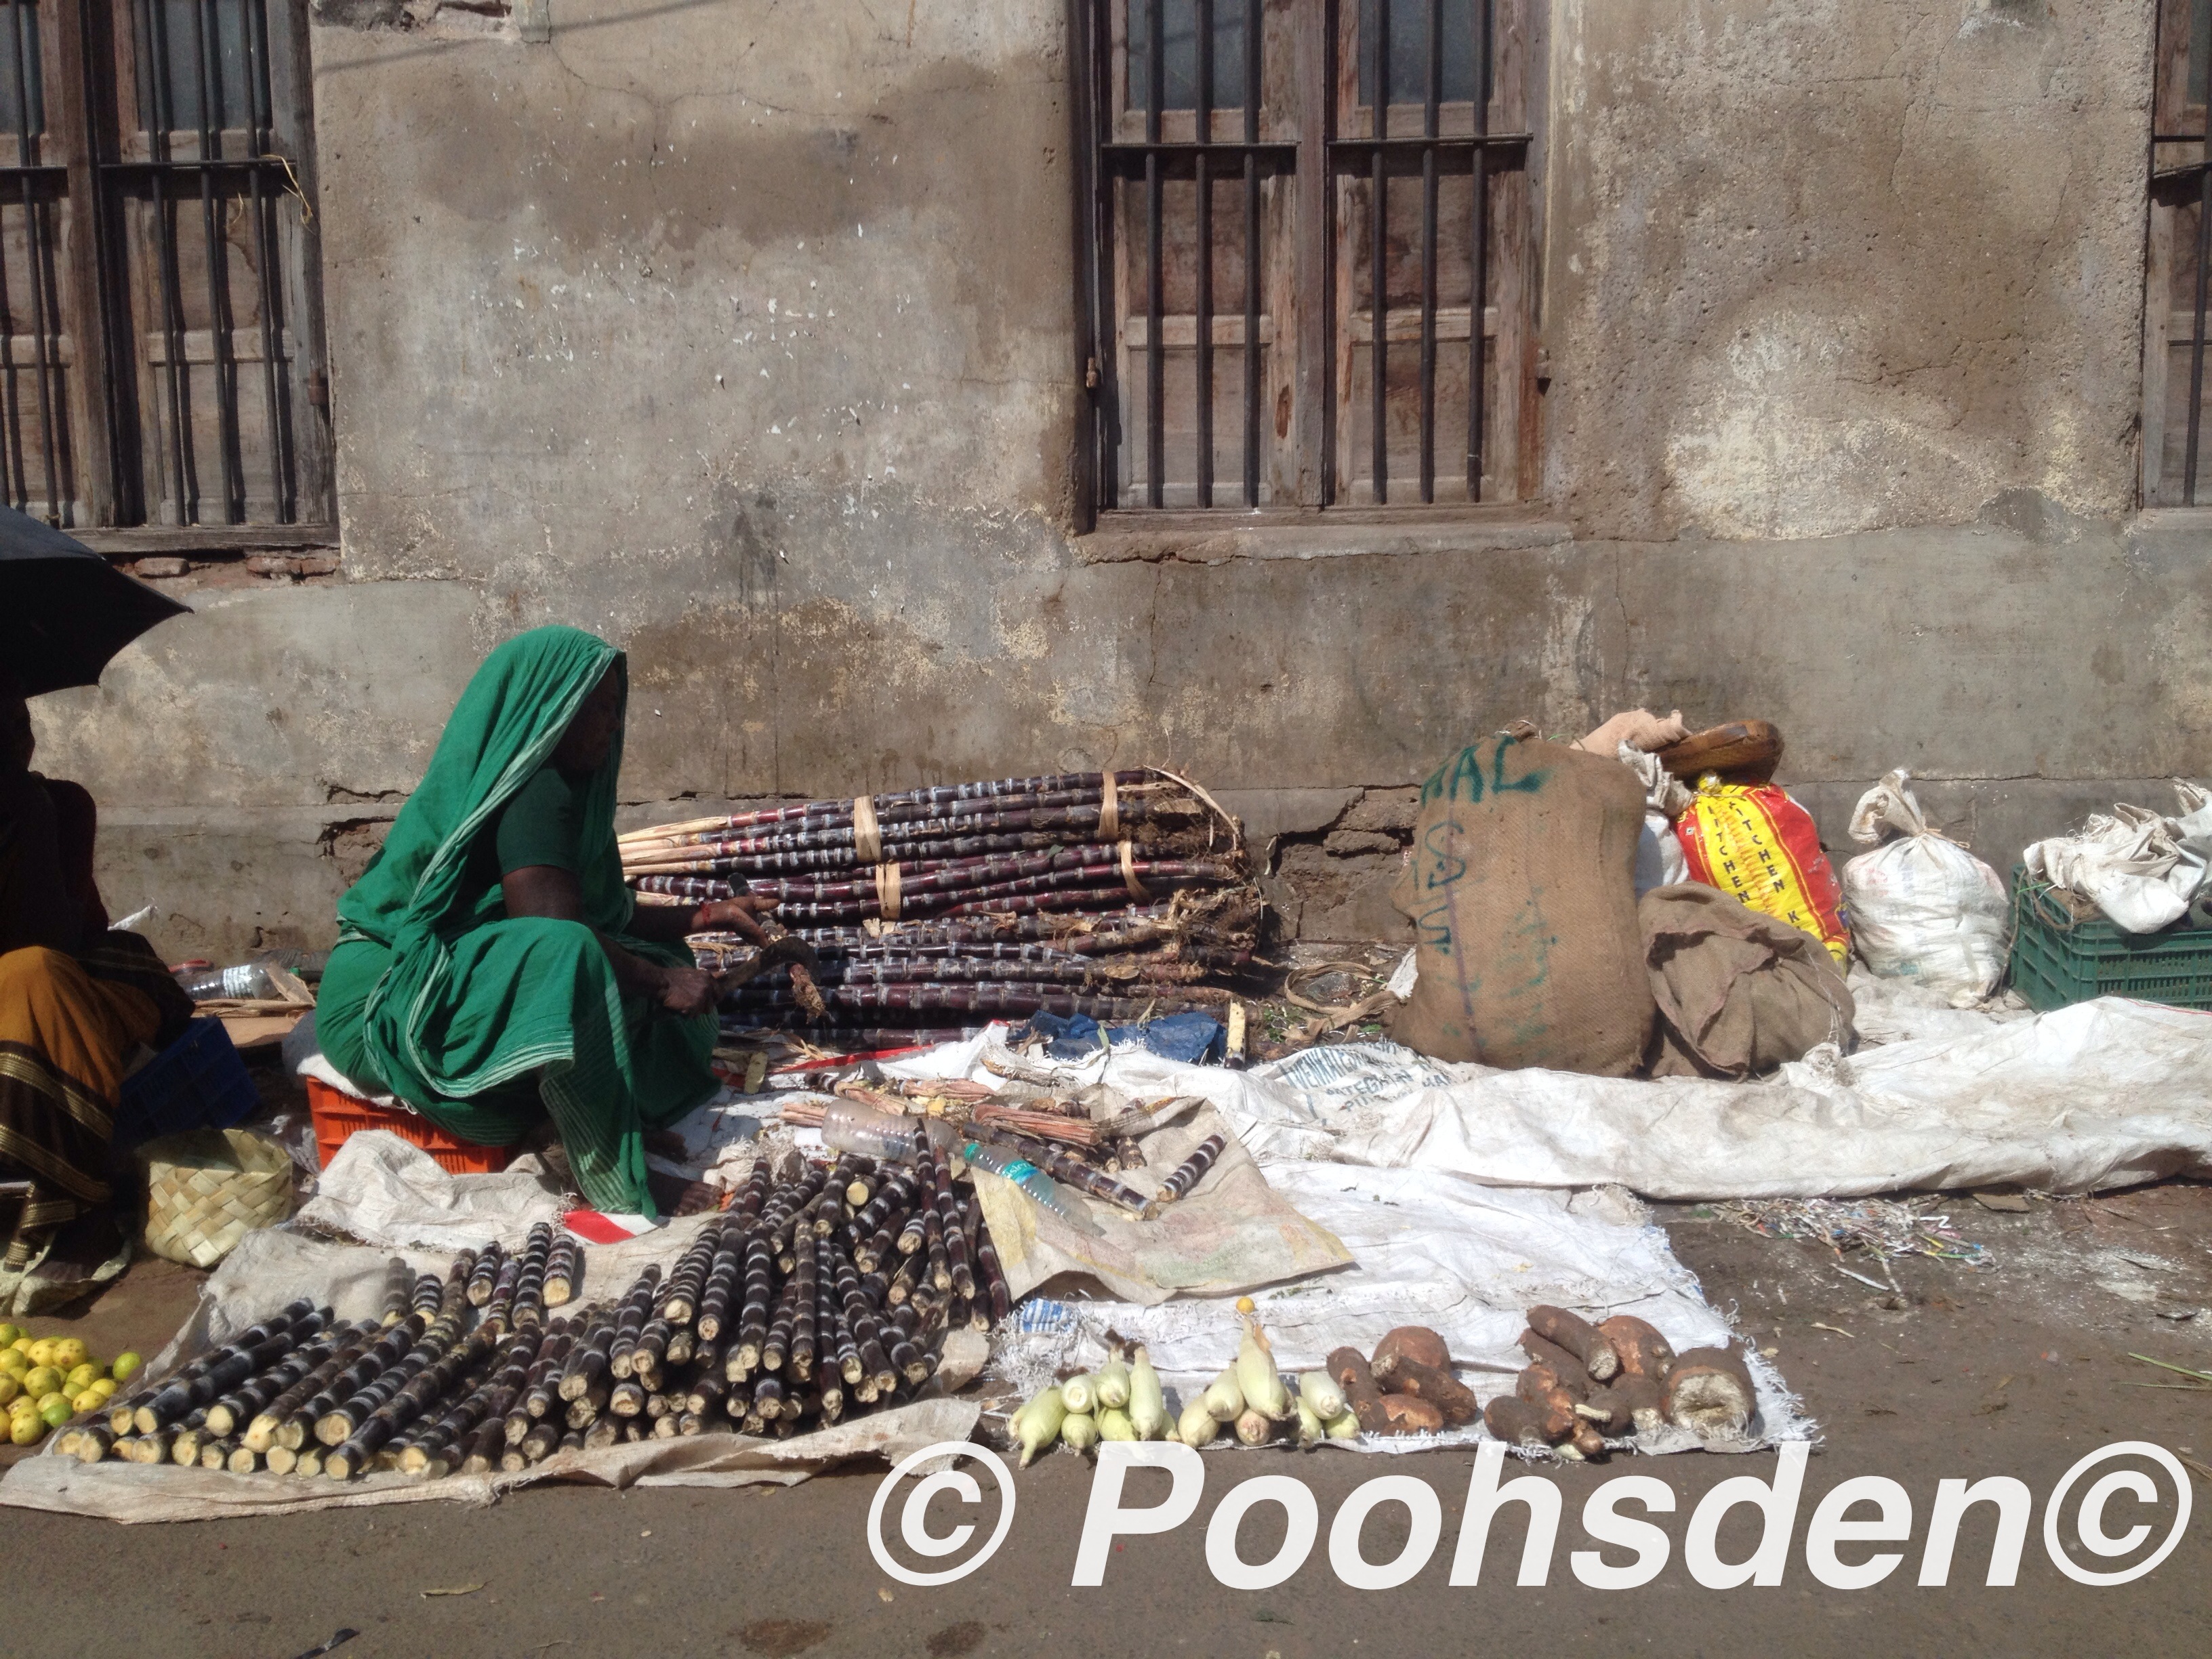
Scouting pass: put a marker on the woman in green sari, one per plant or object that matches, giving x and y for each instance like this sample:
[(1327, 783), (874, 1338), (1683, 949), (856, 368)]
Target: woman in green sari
[(491, 968)]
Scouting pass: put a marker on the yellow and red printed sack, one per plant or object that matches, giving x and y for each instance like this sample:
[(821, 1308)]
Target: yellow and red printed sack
[(1757, 845)]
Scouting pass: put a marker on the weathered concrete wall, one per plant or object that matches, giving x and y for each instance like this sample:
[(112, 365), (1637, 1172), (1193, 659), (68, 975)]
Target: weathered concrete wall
[(1827, 265), (743, 337)]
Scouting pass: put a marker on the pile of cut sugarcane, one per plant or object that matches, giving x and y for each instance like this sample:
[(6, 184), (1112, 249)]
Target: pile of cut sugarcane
[(1109, 895), (824, 1292)]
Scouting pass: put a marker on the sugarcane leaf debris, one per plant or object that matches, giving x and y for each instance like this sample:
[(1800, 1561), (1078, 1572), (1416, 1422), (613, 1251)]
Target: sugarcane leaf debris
[(1877, 1227), (2199, 1381)]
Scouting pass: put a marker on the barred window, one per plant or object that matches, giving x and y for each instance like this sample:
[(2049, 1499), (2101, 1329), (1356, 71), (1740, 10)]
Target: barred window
[(159, 306), (1298, 156)]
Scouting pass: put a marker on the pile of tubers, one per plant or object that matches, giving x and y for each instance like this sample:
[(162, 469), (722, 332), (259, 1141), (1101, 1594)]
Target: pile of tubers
[(1588, 1383), (824, 1292), (1406, 1385)]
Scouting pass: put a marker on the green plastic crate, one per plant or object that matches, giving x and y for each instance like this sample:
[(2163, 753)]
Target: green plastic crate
[(2058, 961)]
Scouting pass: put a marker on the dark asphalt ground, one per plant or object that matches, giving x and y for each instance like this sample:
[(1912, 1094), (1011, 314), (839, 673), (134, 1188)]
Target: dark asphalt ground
[(2018, 1369)]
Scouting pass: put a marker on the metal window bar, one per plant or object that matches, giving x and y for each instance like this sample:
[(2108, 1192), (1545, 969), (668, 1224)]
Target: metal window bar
[(1204, 274), (1478, 237), (1155, 257), (2197, 330), (153, 52), (282, 496), (1252, 95), (31, 177), (206, 28), (1378, 257)]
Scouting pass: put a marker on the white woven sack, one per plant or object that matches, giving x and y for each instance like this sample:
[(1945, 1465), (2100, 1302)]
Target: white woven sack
[(1923, 908)]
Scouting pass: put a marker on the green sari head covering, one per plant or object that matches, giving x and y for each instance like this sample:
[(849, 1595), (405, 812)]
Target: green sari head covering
[(506, 726)]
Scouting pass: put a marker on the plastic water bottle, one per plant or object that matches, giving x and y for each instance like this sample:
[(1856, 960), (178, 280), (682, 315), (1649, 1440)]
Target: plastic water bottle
[(849, 1126), (247, 982), (1048, 1194)]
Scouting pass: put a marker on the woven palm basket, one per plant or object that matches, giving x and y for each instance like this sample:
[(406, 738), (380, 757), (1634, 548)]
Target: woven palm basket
[(208, 1188)]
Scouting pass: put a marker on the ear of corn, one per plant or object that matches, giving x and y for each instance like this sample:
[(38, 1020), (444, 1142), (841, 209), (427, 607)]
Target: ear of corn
[(1256, 1375), (1037, 1425), (1078, 1432), (1114, 1424), (1345, 1427), (1310, 1431), (1148, 1406), (1112, 1380), (1080, 1393), (1197, 1426), (1319, 1391), (1223, 1400)]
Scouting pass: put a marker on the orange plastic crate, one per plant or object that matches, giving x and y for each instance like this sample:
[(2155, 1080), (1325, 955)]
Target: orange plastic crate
[(337, 1116)]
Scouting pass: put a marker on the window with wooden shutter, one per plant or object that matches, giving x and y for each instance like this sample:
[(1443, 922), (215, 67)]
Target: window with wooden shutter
[(1257, 170), (2174, 345), (163, 372)]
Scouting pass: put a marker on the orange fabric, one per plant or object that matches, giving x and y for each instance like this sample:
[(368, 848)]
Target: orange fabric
[(1759, 847), (64, 1038)]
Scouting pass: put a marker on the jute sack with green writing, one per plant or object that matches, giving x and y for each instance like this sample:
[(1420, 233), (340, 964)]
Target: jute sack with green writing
[(1521, 891)]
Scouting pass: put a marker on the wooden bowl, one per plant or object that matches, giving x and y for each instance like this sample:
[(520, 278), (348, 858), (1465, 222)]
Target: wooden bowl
[(1742, 751)]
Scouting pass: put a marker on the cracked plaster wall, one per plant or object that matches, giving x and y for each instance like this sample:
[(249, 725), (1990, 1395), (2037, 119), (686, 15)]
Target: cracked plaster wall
[(1819, 266), (740, 332)]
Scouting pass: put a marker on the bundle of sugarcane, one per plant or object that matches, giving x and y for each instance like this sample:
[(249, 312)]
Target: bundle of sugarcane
[(976, 889), (1157, 828), (1110, 896), (815, 1297), (1103, 803), (1015, 1001)]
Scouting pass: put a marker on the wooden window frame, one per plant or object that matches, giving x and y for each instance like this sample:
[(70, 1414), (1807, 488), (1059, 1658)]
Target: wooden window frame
[(2174, 324), (103, 176), (1313, 137)]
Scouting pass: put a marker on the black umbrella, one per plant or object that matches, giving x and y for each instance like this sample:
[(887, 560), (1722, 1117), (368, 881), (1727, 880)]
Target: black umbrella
[(64, 610)]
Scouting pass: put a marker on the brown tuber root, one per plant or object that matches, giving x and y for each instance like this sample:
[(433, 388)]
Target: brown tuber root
[(1579, 1338), (1709, 1390), (1415, 1342), (1564, 1369), (1628, 1405), (1518, 1422), (1407, 1415), (1540, 1387), (1643, 1351), (1349, 1367), (1452, 1398)]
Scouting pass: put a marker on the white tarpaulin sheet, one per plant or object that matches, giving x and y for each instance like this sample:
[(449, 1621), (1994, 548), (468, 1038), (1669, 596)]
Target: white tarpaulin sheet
[(1430, 1247), (2106, 1094)]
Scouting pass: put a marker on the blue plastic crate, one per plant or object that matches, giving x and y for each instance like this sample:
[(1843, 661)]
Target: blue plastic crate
[(197, 1082)]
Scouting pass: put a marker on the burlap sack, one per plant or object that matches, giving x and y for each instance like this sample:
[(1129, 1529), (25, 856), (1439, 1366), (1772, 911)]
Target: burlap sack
[(1522, 891), (1739, 993)]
